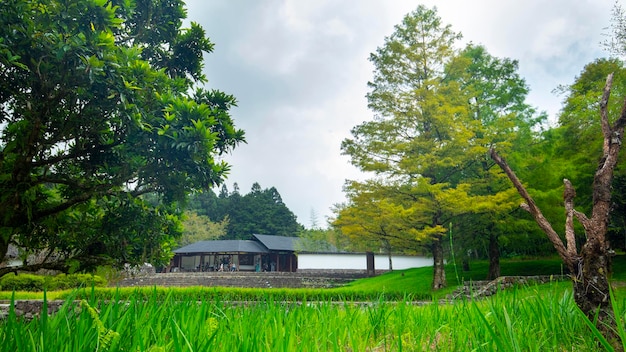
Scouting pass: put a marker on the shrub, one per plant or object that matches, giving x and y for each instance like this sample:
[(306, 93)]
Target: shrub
[(22, 282), (31, 282), (63, 281)]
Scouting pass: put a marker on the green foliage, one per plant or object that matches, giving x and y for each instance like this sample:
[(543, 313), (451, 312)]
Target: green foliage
[(36, 283), (577, 142), (201, 228), (438, 111), (261, 211), (525, 319), (226, 294), (373, 220), (321, 240), (70, 281), (414, 143), (100, 104), (366, 315), (106, 337), (22, 282)]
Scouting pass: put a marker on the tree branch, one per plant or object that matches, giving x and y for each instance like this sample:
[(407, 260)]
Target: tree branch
[(61, 265), (73, 155), (604, 115), (568, 196), (83, 197), (603, 177), (531, 207), (58, 265)]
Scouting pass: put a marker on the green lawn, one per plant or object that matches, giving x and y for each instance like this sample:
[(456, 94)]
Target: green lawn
[(417, 282)]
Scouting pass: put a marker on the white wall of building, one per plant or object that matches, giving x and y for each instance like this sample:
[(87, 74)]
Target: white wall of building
[(358, 261)]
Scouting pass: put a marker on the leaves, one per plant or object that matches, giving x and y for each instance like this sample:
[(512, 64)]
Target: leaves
[(261, 211), (97, 110), (437, 110)]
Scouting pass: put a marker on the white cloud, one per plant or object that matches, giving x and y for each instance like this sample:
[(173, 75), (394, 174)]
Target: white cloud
[(299, 69)]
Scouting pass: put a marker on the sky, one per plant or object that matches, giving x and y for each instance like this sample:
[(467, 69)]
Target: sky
[(299, 71)]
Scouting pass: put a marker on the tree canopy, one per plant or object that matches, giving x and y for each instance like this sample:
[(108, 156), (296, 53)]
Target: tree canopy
[(101, 103), (443, 115), (260, 211), (437, 110)]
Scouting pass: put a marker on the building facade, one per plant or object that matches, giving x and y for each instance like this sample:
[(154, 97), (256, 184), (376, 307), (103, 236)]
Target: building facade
[(263, 253), (279, 253)]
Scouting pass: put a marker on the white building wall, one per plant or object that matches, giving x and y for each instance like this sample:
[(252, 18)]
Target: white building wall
[(352, 261)]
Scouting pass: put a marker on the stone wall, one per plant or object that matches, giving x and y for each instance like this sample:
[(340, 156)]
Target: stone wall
[(28, 309), (310, 279), (477, 289)]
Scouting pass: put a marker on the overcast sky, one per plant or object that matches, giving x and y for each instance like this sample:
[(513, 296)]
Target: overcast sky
[(299, 70)]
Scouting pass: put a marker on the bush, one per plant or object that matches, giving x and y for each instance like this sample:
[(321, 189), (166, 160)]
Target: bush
[(64, 282), (22, 282), (31, 282)]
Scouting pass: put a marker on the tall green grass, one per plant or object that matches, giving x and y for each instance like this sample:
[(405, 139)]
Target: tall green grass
[(532, 318), (538, 318)]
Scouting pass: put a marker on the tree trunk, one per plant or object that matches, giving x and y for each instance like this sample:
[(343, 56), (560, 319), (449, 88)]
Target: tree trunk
[(589, 268), (465, 262), (494, 257), (388, 250), (439, 272), (4, 248), (591, 288)]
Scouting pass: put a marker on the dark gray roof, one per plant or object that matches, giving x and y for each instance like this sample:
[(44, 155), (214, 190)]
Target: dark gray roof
[(222, 246), (263, 244), (279, 243)]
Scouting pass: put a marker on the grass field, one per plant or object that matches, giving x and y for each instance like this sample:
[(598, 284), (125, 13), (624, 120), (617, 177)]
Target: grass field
[(530, 318)]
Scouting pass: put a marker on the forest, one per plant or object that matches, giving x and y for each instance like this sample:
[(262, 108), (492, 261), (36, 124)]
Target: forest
[(231, 215)]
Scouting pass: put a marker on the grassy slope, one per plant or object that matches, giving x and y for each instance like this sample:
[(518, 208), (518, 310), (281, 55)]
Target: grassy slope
[(417, 281)]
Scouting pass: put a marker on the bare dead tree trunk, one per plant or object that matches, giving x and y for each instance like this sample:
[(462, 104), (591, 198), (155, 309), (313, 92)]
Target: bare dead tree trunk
[(439, 272), (588, 268)]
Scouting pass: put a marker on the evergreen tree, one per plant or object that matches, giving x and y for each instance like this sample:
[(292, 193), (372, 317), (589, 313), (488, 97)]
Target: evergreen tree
[(261, 211)]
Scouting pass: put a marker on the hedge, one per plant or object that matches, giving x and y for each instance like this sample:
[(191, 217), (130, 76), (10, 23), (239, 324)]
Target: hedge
[(32, 282)]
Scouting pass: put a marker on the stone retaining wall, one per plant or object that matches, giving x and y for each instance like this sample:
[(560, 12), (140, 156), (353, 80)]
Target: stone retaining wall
[(310, 279), (477, 289), (28, 309)]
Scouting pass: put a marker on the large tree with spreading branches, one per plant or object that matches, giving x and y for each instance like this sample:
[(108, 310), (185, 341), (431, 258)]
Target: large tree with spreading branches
[(101, 103)]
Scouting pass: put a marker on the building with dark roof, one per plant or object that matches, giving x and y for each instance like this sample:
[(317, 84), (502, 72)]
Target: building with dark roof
[(279, 253), (263, 253)]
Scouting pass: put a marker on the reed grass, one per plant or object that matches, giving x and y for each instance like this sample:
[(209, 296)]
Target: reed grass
[(536, 318)]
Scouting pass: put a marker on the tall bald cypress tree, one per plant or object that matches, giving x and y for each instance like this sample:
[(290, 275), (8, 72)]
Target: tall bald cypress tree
[(434, 122)]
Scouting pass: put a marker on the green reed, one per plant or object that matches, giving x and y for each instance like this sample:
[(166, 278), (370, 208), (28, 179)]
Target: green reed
[(530, 319)]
